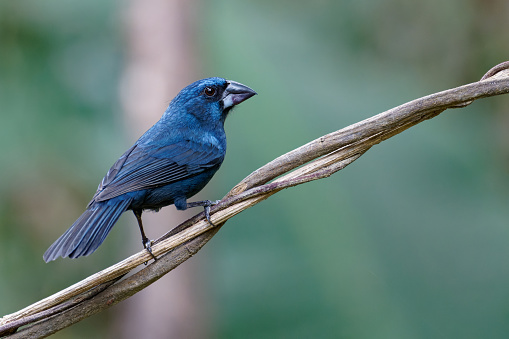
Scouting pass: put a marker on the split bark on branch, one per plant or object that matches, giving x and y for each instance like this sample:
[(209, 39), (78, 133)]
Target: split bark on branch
[(318, 159)]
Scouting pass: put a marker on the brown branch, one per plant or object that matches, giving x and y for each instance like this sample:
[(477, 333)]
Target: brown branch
[(316, 160)]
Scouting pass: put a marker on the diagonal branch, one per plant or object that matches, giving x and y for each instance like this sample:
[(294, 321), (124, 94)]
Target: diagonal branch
[(317, 159)]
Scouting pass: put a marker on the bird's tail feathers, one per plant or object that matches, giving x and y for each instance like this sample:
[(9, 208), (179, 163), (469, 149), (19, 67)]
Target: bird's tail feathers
[(89, 231)]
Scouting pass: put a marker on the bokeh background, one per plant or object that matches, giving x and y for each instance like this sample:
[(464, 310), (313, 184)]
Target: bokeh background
[(410, 241)]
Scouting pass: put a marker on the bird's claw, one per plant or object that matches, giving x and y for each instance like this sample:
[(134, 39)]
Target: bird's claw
[(147, 244), (207, 215), (206, 205)]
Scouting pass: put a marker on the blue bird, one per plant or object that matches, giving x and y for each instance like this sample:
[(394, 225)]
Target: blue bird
[(170, 163)]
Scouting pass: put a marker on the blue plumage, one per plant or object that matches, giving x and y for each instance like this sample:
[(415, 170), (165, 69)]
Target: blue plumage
[(171, 162)]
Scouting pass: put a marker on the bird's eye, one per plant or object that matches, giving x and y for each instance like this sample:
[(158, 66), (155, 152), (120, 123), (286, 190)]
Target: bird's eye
[(210, 91)]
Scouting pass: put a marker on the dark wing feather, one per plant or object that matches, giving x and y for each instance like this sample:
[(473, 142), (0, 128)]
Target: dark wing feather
[(143, 167)]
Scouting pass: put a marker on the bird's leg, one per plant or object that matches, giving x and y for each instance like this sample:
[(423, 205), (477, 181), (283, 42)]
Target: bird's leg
[(147, 244), (206, 204)]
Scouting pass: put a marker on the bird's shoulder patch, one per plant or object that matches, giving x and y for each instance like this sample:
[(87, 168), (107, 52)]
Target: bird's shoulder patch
[(209, 138)]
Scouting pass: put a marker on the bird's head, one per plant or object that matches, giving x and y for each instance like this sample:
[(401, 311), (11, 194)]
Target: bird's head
[(210, 99)]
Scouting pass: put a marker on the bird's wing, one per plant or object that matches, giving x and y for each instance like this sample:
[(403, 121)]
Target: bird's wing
[(143, 167)]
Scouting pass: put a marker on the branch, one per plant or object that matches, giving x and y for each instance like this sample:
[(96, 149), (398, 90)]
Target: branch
[(318, 159)]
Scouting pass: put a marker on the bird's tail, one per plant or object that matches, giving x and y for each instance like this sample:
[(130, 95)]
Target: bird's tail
[(89, 231)]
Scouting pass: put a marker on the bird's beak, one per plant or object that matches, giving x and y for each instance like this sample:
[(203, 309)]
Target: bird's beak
[(235, 93)]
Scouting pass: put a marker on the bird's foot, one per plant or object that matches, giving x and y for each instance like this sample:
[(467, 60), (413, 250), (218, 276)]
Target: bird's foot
[(207, 215), (147, 244), (206, 204)]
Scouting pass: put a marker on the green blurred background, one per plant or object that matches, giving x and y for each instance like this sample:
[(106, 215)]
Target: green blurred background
[(410, 241)]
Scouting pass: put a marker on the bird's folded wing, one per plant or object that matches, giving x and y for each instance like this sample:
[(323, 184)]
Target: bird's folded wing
[(143, 167)]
